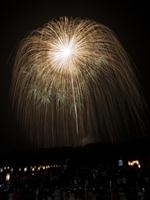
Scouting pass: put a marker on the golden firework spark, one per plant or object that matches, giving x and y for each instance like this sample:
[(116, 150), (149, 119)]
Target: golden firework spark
[(73, 84)]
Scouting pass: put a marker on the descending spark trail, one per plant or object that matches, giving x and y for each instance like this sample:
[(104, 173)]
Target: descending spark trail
[(75, 107), (73, 84)]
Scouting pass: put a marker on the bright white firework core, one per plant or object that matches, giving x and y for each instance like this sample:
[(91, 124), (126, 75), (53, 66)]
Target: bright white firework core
[(63, 53), (66, 51)]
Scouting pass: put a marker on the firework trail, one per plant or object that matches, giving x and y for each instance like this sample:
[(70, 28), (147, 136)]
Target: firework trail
[(73, 84)]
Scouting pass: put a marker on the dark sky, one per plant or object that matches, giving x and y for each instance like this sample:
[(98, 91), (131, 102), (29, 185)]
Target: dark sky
[(127, 19)]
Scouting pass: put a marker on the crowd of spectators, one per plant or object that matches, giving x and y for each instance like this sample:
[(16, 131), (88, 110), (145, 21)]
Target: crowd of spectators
[(67, 181)]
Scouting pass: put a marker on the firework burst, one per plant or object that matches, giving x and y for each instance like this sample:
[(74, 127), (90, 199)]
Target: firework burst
[(73, 84)]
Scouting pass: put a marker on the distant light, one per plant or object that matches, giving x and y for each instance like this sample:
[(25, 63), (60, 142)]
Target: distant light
[(25, 169), (33, 169), (19, 169), (7, 177), (1, 170), (134, 162), (120, 163), (11, 169)]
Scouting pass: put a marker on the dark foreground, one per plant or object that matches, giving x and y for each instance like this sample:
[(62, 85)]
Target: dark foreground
[(78, 176)]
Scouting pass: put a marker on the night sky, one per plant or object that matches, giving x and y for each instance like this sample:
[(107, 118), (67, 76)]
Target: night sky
[(127, 19)]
